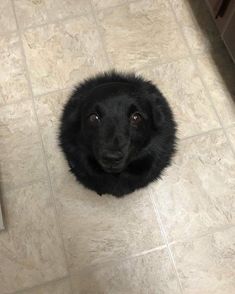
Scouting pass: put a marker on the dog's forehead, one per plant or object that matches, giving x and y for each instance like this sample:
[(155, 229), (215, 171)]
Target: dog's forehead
[(118, 99), (116, 104), (114, 96)]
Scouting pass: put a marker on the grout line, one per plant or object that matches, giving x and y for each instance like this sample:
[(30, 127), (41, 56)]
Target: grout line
[(227, 130), (153, 65), (145, 252), (193, 58), (50, 22), (202, 235), (229, 141), (117, 260), (61, 20), (70, 88), (110, 7), (171, 257), (230, 126), (94, 14), (201, 134), (42, 146), (41, 285)]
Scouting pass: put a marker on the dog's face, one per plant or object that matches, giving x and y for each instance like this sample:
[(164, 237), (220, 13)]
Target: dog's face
[(116, 127)]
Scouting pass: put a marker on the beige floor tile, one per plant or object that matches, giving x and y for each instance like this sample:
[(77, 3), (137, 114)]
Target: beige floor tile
[(99, 4), (49, 109), (180, 83), (20, 148), (151, 273), (140, 34), (197, 25), (31, 250), (7, 18), (57, 287), (59, 55), (13, 83), (55, 159), (197, 193), (218, 72), (207, 265), (1, 217), (231, 134), (37, 12), (96, 229)]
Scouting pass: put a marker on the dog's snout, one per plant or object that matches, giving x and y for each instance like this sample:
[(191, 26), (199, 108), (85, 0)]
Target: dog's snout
[(112, 156)]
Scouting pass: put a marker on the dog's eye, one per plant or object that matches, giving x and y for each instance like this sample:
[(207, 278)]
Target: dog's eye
[(136, 118), (94, 118)]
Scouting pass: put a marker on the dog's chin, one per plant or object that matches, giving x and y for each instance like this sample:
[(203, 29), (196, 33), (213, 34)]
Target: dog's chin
[(115, 169)]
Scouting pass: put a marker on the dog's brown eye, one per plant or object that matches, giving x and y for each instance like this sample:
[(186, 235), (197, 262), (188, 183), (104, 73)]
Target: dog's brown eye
[(136, 118), (94, 118)]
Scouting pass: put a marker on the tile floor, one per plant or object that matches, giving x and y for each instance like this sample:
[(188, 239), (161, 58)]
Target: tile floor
[(176, 235)]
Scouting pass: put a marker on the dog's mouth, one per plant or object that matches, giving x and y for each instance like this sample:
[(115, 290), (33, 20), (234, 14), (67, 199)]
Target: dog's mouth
[(112, 168)]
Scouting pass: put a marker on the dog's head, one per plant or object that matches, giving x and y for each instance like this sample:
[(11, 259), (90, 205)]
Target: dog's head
[(116, 123)]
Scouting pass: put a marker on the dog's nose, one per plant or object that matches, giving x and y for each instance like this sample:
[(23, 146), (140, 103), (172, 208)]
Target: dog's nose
[(111, 156)]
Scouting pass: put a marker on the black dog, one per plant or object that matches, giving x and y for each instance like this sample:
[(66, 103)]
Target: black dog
[(117, 132)]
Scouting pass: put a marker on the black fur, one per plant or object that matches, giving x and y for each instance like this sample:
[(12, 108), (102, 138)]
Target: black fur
[(146, 148)]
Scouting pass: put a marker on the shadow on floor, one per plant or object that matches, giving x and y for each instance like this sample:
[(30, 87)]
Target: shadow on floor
[(209, 29)]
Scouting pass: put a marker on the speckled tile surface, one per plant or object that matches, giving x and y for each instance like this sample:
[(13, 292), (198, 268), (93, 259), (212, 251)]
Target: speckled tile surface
[(31, 248), (196, 196), (59, 55), (7, 19), (13, 82), (152, 273), (151, 35), (101, 4), (206, 265), (174, 236), (231, 134), (38, 12), (21, 152), (1, 219), (106, 229), (58, 287)]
